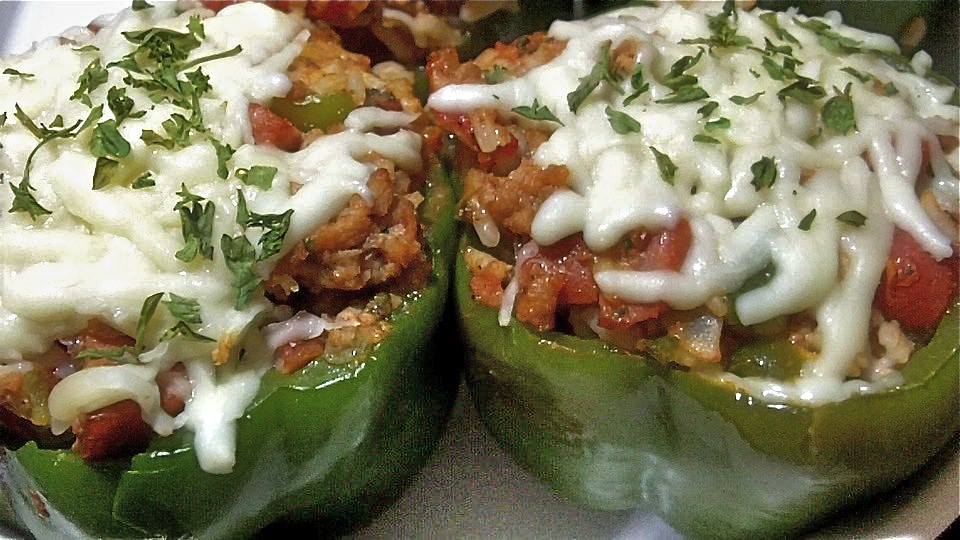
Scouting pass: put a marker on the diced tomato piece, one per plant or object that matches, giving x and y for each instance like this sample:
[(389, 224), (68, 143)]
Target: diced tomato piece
[(541, 281), (115, 431), (271, 128), (293, 356), (460, 126), (336, 12), (916, 289), (663, 250), (174, 385)]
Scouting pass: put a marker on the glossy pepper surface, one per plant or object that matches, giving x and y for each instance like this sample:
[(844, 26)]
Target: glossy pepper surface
[(328, 445), (615, 431)]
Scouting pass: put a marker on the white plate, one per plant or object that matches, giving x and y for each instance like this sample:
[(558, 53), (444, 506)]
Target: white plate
[(472, 489)]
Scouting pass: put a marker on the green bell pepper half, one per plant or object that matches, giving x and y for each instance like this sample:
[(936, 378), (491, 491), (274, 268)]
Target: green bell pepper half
[(614, 431), (330, 445)]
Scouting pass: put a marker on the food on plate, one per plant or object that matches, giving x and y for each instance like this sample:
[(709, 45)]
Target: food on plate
[(711, 262), (215, 309)]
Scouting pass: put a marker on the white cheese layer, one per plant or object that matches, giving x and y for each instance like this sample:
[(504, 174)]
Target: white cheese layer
[(833, 268), (100, 253)]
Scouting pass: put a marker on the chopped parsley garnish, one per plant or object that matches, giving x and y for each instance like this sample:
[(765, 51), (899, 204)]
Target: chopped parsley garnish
[(187, 312), (677, 77), (803, 90), (774, 70), (145, 180), (224, 153), (769, 47), (495, 75), (14, 73), (601, 71), (536, 112), (260, 176), (706, 139), (667, 169), (89, 80), (770, 19), (196, 225), (275, 227), (103, 172), (708, 109), (638, 84), (107, 141), (890, 89), (852, 217), (859, 75), (723, 29), (828, 39), (837, 113), (807, 220), (3, 119), (622, 123), (718, 124), (87, 49), (240, 257), (764, 173), (686, 94), (120, 105), (743, 100), (23, 200), (140, 5)]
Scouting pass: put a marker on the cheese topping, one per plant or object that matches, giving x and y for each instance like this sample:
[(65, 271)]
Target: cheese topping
[(722, 108), (99, 253)]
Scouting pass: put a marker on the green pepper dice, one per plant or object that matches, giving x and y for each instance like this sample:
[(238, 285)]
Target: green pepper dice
[(614, 431), (327, 444)]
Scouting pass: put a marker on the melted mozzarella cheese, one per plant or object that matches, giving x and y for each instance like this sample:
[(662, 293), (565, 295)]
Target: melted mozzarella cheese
[(100, 253), (833, 268)]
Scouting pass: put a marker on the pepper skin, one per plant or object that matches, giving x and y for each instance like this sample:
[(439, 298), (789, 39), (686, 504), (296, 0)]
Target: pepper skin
[(326, 445), (615, 431)]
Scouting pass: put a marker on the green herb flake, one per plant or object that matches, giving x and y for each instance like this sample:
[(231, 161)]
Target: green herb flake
[(146, 313), (260, 176), (3, 119), (537, 112), (23, 200), (667, 168), (196, 225), (852, 217), (708, 109), (718, 124), (859, 75), (723, 30), (639, 85), (89, 80), (770, 19), (182, 330), (890, 89), (184, 309), (275, 227), (103, 172), (601, 72), (14, 73), (240, 257), (764, 173), (495, 75), (743, 100), (87, 49), (769, 47), (686, 95), (837, 113), (622, 123), (807, 220), (140, 5), (224, 153), (706, 139), (829, 39), (145, 180), (107, 141), (803, 90)]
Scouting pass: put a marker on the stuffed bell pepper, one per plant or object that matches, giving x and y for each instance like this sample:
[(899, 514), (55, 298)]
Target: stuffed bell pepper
[(710, 266), (223, 255)]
